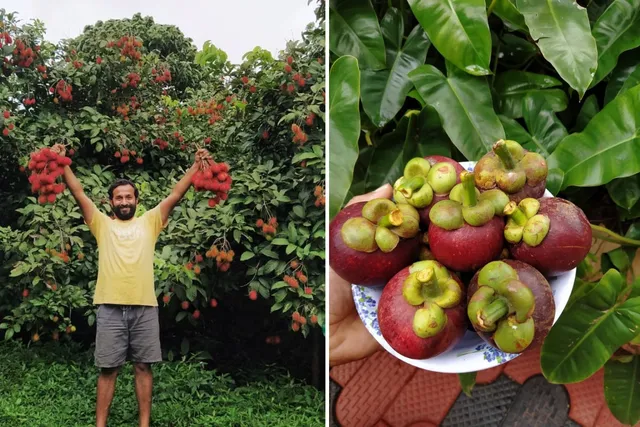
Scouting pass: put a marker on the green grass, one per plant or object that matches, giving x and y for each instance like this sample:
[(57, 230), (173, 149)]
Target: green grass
[(54, 385)]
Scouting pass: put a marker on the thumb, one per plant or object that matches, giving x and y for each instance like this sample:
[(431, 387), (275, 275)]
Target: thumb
[(384, 192)]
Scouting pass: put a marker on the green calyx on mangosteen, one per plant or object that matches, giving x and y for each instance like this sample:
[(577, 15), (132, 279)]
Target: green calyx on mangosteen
[(470, 209), (510, 305), (512, 169), (432, 287), (421, 180), (524, 223), (382, 224)]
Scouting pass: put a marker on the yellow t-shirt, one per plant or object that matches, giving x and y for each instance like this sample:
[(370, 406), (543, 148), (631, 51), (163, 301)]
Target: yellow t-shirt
[(125, 260)]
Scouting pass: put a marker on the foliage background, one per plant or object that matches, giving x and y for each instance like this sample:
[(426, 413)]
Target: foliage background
[(156, 95)]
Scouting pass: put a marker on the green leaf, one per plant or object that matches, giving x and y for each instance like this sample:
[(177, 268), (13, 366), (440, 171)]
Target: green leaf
[(627, 70), (384, 91), (269, 253), (544, 126), (463, 103), (393, 152), (299, 211), (354, 30), (290, 249), (279, 285), (622, 389), (625, 192), (592, 157), (181, 316), (589, 109), (617, 258), (344, 125), (506, 11), (586, 335), (431, 137), (514, 51), (512, 87), (561, 30), (616, 31), (459, 30), (246, 255), (514, 130), (467, 381), (280, 241)]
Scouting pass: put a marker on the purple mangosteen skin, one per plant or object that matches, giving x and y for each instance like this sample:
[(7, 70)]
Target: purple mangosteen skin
[(362, 268), (567, 243), (545, 306), (468, 248), (395, 317)]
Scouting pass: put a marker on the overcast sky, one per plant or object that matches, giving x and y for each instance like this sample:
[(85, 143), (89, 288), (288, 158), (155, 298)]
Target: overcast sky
[(235, 26)]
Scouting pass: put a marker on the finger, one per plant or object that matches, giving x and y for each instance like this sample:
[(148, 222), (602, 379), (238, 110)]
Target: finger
[(384, 192)]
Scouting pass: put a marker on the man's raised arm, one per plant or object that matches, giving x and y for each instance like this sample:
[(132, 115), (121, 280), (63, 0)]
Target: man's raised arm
[(85, 203)]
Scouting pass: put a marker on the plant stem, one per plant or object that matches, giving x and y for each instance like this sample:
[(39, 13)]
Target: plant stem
[(490, 9), (469, 193), (501, 150), (494, 311), (514, 212)]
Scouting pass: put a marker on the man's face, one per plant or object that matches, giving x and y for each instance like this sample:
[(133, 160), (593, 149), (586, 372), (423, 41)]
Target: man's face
[(124, 202)]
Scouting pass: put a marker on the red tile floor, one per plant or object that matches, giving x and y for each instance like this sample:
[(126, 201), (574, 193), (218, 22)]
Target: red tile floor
[(383, 391)]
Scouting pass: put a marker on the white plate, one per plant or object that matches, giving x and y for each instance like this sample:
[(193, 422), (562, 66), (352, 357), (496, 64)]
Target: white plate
[(472, 353)]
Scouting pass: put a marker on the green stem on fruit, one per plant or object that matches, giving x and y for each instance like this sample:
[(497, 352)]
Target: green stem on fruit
[(392, 219), (494, 311), (429, 283), (501, 150), (514, 212), (469, 194), (413, 184)]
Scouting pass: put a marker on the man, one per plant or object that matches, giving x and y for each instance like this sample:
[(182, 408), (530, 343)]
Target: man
[(127, 318)]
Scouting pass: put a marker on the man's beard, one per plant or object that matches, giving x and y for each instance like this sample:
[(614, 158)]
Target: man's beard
[(124, 216)]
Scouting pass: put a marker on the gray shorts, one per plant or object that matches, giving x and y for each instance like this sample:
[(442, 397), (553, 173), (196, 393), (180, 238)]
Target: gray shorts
[(127, 332)]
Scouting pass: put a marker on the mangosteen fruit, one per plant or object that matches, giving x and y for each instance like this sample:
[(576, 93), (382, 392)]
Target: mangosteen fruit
[(465, 236), (633, 346), (426, 181), (510, 305), (421, 311), (551, 234), (371, 241), (512, 169)]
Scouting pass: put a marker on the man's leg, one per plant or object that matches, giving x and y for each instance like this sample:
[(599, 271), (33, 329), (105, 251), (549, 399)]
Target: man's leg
[(144, 388), (106, 387), (144, 348), (112, 340)]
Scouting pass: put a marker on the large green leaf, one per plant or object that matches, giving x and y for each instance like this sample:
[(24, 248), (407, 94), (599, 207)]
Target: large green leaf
[(622, 389), (588, 111), (627, 69), (513, 86), (393, 152), (344, 128), (617, 30), (459, 30), (608, 148), (431, 137), (384, 91), (513, 51), (595, 8), (464, 105), (562, 32), (625, 192), (544, 126), (354, 30), (587, 334), (506, 11), (514, 131)]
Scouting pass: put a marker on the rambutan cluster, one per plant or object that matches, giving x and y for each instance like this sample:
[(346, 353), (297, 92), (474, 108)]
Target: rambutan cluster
[(214, 177), (46, 166)]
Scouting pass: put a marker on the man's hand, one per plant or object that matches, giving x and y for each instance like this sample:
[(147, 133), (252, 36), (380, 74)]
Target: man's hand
[(59, 149), (349, 339), (202, 154)]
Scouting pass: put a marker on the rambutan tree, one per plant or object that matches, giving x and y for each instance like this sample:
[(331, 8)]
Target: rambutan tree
[(133, 98)]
